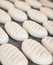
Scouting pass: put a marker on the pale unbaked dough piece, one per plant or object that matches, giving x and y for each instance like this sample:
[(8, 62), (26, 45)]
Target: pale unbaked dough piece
[(22, 5), (35, 29), (47, 11), (34, 3), (37, 16), (47, 3), (4, 17), (49, 26), (3, 36), (6, 5), (10, 55), (16, 31), (36, 52), (17, 15), (48, 43)]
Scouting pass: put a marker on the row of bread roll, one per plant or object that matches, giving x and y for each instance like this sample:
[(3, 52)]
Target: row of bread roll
[(15, 13), (38, 54), (32, 3), (21, 4), (48, 12), (39, 16), (37, 30), (34, 29), (18, 33), (37, 4), (18, 15)]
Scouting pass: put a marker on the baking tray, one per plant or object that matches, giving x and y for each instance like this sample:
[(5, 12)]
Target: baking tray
[(18, 43)]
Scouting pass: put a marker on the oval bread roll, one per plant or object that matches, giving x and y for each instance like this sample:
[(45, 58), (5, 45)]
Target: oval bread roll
[(10, 55), (48, 43), (36, 52), (3, 36), (49, 26), (22, 5), (34, 3), (4, 17), (47, 3), (17, 15), (47, 11), (35, 29), (16, 31), (37, 16), (6, 5)]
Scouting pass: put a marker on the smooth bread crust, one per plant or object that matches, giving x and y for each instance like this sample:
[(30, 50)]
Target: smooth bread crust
[(16, 31), (4, 17), (6, 5), (17, 14), (36, 52), (48, 43), (34, 29), (3, 36), (10, 55), (37, 16), (22, 6), (34, 3)]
